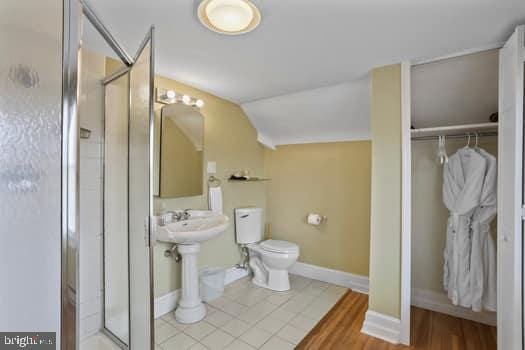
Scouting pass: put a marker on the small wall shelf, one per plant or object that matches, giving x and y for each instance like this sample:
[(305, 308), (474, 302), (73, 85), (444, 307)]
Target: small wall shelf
[(252, 179)]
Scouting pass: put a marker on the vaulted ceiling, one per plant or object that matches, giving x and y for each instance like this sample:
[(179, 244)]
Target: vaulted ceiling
[(305, 44)]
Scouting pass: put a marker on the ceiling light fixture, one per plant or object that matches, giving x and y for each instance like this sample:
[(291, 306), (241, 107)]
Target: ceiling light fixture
[(231, 17)]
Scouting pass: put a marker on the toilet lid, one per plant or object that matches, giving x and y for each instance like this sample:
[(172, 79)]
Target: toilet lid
[(277, 246)]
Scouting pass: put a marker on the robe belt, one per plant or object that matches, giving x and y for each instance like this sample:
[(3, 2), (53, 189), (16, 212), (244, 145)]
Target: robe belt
[(454, 223)]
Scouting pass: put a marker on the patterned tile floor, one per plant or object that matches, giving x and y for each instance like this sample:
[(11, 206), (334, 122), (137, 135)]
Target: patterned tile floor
[(249, 317), (246, 317)]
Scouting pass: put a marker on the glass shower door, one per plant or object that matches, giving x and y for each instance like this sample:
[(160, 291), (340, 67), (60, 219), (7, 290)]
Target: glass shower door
[(128, 203), (116, 245), (140, 196)]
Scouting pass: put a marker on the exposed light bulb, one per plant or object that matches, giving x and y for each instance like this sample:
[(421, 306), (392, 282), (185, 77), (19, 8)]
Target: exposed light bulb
[(171, 94), (186, 99), (199, 103)]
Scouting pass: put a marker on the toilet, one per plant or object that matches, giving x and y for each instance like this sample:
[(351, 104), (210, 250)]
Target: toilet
[(269, 259)]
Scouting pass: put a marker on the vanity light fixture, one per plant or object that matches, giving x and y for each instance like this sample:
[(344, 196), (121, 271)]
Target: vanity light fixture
[(199, 103), (170, 96), (231, 17), (186, 100)]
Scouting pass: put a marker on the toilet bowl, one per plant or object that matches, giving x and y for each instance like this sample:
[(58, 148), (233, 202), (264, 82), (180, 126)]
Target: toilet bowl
[(276, 257), (269, 260)]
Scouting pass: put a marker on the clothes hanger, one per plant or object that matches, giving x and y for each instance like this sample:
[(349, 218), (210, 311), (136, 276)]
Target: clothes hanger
[(442, 152), (468, 141), (444, 149)]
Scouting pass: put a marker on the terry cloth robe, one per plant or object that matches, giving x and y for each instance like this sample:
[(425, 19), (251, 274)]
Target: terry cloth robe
[(483, 254), (463, 178)]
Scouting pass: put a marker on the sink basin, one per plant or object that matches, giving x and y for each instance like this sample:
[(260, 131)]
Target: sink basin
[(201, 226)]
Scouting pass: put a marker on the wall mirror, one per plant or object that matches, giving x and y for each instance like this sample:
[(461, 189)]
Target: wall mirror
[(180, 130)]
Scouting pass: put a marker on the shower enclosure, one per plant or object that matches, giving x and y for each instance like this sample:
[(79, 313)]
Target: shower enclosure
[(115, 113)]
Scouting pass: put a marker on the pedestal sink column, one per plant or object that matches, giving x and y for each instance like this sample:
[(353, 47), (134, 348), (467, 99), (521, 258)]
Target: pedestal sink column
[(190, 309)]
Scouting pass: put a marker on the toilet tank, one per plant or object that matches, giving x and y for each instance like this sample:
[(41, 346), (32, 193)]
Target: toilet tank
[(248, 225)]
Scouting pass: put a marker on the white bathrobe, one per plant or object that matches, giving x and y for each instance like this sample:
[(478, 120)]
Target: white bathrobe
[(463, 178), (483, 255)]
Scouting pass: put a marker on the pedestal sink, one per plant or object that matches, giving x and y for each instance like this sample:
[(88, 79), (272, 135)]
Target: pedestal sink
[(200, 226)]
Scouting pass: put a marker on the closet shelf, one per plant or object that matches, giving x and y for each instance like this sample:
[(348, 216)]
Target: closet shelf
[(453, 129)]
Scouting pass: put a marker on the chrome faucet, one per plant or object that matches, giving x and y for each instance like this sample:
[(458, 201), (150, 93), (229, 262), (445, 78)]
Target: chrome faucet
[(185, 215), (181, 215), (172, 215)]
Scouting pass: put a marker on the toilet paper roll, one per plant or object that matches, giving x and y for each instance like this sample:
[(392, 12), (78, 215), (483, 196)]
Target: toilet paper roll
[(314, 219)]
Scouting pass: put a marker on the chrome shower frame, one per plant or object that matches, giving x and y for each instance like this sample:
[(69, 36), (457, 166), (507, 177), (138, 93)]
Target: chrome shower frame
[(73, 10)]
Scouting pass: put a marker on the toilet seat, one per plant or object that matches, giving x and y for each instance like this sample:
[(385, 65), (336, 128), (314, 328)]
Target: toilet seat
[(278, 246)]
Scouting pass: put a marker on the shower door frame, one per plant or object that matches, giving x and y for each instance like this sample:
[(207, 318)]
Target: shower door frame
[(123, 72), (73, 10)]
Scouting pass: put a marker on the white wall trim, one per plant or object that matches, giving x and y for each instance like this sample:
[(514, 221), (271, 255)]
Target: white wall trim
[(322, 139), (493, 46), (266, 141), (168, 302), (357, 283), (439, 302), (234, 273), (382, 326), (406, 206)]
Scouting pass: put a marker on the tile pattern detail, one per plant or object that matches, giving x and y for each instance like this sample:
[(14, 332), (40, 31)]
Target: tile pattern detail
[(247, 317)]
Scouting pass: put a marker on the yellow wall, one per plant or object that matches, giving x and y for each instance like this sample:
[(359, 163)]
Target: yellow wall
[(181, 166), (385, 240), (231, 141), (332, 179)]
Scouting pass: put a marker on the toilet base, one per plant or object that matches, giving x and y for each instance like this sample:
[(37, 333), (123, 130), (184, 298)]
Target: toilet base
[(277, 281)]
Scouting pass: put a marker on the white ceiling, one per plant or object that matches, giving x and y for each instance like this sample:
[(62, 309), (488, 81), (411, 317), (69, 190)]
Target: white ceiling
[(334, 113), (303, 45)]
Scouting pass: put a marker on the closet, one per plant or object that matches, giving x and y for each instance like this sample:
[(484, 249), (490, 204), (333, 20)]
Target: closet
[(454, 150)]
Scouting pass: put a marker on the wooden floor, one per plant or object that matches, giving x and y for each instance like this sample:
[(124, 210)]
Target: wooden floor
[(341, 329)]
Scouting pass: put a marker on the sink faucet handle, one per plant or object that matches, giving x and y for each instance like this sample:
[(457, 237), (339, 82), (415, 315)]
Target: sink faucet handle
[(167, 217)]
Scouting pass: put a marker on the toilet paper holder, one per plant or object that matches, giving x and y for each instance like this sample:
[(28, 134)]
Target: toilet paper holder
[(315, 219)]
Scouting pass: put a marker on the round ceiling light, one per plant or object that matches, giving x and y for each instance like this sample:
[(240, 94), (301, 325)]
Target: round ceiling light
[(230, 17)]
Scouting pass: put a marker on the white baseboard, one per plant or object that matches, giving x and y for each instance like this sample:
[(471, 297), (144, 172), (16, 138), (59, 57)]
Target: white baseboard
[(357, 283), (168, 302), (439, 302), (233, 274), (381, 326)]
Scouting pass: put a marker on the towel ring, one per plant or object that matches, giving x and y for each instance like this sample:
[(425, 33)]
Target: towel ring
[(213, 181)]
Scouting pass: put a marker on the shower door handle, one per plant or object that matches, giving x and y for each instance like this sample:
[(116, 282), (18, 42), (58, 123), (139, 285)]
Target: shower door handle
[(152, 231), (150, 227), (146, 231)]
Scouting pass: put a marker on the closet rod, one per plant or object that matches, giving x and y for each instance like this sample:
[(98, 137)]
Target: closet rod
[(457, 136), (453, 129)]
